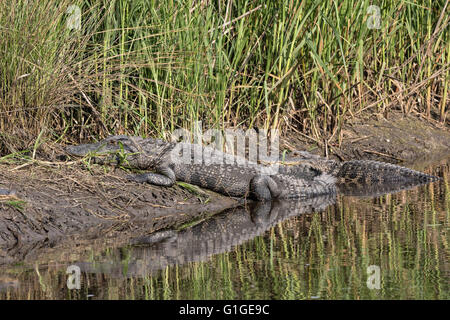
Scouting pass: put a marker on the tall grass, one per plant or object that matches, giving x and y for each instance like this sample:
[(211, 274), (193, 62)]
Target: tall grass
[(149, 67)]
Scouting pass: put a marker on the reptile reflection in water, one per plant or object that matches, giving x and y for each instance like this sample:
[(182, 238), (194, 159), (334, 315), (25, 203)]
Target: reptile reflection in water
[(197, 243), (220, 233), (376, 189)]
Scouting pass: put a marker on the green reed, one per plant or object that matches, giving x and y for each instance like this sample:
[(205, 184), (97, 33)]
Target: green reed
[(149, 67)]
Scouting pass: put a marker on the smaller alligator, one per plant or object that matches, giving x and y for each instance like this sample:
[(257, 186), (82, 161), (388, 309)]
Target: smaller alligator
[(354, 172), (202, 166)]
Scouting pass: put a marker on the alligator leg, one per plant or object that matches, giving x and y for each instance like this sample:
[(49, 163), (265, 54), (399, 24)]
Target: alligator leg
[(261, 212), (264, 188), (164, 177)]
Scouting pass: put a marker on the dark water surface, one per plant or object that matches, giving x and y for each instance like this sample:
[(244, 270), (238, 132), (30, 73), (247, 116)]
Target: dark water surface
[(392, 246)]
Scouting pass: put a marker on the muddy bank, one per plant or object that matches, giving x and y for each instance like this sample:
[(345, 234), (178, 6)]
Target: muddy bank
[(399, 139), (54, 201)]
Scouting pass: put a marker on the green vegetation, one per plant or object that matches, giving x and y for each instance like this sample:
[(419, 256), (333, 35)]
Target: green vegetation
[(149, 67), (15, 203), (201, 194)]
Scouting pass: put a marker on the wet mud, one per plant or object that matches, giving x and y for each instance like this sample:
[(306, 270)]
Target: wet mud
[(52, 202)]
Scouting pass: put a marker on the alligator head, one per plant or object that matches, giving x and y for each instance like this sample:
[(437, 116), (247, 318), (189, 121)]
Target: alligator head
[(137, 152)]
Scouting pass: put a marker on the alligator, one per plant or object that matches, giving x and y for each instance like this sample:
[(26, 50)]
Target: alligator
[(299, 175), (203, 166), (218, 234), (366, 178)]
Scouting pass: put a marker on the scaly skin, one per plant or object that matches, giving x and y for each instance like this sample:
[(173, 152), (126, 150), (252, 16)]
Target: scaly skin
[(202, 166), (300, 175), (356, 172)]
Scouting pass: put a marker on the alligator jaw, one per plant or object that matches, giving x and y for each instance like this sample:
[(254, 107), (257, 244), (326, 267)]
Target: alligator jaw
[(110, 145), (86, 149), (370, 172)]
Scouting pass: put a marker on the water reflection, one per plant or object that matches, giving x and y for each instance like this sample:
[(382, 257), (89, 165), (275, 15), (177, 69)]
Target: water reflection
[(220, 233), (197, 243)]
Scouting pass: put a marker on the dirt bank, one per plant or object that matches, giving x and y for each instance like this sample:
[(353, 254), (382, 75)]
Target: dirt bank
[(399, 139), (53, 201), (57, 200)]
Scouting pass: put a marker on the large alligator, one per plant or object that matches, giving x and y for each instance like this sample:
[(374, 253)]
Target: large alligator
[(203, 166), (300, 175)]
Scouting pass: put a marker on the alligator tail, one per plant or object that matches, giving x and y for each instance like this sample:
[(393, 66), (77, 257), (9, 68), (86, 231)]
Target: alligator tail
[(364, 171)]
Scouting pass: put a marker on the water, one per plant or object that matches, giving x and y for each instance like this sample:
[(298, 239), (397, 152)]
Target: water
[(393, 246)]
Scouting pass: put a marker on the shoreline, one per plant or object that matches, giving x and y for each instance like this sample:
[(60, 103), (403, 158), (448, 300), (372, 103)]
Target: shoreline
[(54, 202)]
